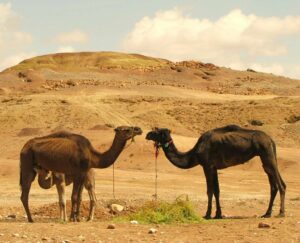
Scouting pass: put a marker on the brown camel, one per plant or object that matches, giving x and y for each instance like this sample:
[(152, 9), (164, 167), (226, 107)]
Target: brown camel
[(72, 155), (221, 148)]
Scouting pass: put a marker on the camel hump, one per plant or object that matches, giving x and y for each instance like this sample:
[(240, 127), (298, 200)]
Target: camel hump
[(228, 128)]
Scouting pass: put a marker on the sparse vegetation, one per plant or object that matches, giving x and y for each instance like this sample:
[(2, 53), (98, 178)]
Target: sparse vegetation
[(161, 212)]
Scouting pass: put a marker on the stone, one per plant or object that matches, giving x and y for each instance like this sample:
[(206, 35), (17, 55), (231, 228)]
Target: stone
[(152, 231), (11, 216), (255, 122), (111, 226), (46, 238), (15, 235), (134, 222), (116, 208), (263, 225), (81, 237)]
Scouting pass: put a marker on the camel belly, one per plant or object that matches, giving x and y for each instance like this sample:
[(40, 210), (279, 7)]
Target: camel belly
[(231, 157), (59, 155), (56, 163)]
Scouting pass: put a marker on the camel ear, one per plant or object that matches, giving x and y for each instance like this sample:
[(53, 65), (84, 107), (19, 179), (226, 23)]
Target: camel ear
[(117, 129)]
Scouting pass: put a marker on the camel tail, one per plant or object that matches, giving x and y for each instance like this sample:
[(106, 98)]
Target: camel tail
[(20, 168), (274, 150), (275, 154), (20, 181)]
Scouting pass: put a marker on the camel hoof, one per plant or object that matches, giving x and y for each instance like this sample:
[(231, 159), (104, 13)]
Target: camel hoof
[(72, 219), (267, 215), (207, 217), (280, 215)]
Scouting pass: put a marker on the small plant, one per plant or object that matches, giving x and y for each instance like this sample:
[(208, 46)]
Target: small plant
[(161, 212)]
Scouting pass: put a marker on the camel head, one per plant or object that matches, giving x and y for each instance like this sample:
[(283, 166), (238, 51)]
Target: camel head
[(161, 136), (126, 132)]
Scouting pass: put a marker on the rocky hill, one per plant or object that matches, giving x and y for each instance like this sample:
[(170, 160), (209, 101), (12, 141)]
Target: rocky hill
[(86, 90)]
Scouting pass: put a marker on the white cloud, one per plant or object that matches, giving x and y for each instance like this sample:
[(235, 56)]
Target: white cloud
[(14, 59), (233, 40), (63, 49), (292, 70), (12, 39), (270, 68), (75, 36)]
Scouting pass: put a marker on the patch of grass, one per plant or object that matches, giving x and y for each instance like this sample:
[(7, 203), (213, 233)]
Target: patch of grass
[(161, 212)]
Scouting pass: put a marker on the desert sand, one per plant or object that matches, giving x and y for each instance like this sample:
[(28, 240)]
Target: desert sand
[(90, 94)]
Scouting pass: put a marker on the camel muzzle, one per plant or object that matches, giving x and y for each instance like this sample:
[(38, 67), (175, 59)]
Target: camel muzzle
[(150, 136), (138, 131)]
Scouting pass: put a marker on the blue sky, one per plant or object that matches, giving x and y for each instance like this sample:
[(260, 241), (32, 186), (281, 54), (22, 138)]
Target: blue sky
[(263, 35)]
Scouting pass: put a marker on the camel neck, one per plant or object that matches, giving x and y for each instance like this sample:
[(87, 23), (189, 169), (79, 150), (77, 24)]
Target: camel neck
[(106, 159), (179, 159)]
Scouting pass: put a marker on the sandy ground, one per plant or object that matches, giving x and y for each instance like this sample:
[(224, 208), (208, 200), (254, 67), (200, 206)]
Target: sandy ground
[(147, 100), (244, 196)]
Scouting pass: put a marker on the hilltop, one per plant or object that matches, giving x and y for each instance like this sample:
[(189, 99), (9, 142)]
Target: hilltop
[(65, 70)]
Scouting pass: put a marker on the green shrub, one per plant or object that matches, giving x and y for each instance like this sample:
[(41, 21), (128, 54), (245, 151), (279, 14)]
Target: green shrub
[(159, 212)]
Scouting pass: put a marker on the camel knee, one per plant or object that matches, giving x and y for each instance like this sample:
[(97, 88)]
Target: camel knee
[(74, 198), (93, 203), (62, 204), (24, 196), (283, 185), (274, 189), (23, 199)]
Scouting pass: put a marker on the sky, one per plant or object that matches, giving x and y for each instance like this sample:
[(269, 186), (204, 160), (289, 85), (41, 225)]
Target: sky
[(261, 35)]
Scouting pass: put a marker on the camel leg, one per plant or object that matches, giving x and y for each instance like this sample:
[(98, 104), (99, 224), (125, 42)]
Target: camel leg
[(217, 195), (60, 186), (93, 200), (25, 182), (270, 166), (209, 176), (282, 189), (76, 197), (273, 192), (90, 186), (79, 200)]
